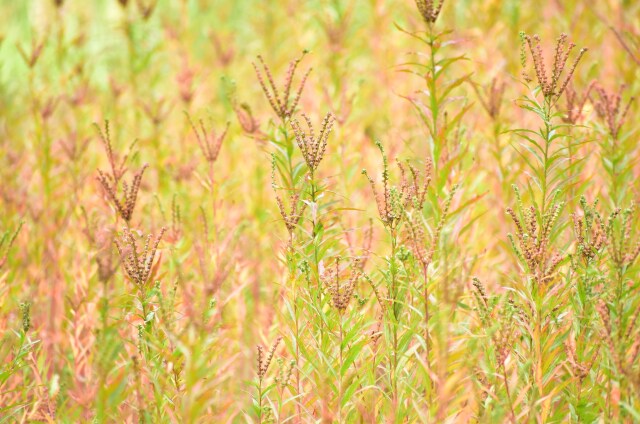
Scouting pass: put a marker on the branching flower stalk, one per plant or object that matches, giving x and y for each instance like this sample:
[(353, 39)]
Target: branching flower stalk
[(492, 98), (138, 265), (549, 156), (127, 204), (341, 295), (574, 116), (544, 294), (443, 127), (111, 181), (498, 321), (424, 250), (617, 146), (284, 103), (313, 149), (263, 362), (441, 110), (392, 204), (210, 144), (590, 231), (620, 311)]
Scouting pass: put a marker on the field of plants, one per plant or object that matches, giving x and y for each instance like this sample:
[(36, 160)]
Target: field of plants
[(319, 211)]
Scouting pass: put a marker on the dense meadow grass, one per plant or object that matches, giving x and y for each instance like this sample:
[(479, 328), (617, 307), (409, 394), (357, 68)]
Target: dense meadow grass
[(329, 211)]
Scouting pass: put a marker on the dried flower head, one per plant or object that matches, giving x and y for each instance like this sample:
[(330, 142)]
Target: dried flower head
[(265, 361), (209, 142), (286, 372), (394, 201), (575, 104), (137, 264), (341, 292), (125, 206), (117, 168), (249, 124), (608, 106), (552, 86), (415, 188), (622, 247), (533, 247), (176, 219), (482, 301), (313, 147), (491, 97), (429, 9), (293, 215), (423, 248), (283, 104), (580, 369), (224, 54), (506, 332), (590, 231)]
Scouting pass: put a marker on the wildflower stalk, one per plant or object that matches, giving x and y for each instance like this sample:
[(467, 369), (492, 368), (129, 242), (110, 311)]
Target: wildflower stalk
[(284, 103), (616, 144), (543, 291)]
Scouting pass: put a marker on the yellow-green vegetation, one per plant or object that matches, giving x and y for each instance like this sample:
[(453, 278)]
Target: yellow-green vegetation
[(320, 211)]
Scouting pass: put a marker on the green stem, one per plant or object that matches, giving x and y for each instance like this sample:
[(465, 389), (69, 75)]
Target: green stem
[(340, 389), (394, 323)]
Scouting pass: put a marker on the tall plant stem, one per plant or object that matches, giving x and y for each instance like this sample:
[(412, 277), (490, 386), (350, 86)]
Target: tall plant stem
[(340, 388), (427, 336), (394, 323), (506, 386)]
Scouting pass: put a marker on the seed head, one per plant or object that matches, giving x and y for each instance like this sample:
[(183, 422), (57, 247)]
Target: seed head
[(296, 209), (209, 142), (533, 238), (393, 201), (265, 361), (136, 264), (283, 103), (429, 10), (575, 103), (313, 147), (491, 97), (608, 106), (127, 204), (341, 292), (552, 86)]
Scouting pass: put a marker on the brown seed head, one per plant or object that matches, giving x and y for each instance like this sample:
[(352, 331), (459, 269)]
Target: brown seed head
[(608, 106), (126, 205), (209, 142), (552, 86), (265, 361), (429, 10), (137, 264), (313, 147), (283, 103)]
